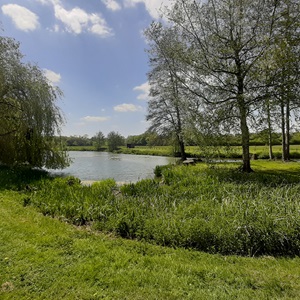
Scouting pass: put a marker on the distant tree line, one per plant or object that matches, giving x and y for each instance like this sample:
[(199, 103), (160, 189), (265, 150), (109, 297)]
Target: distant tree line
[(114, 140), (151, 139)]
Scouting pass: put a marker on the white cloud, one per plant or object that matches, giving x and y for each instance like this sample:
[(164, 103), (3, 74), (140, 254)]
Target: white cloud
[(95, 119), (77, 20), (23, 18), (144, 90), (112, 5), (53, 77), (152, 6), (126, 107)]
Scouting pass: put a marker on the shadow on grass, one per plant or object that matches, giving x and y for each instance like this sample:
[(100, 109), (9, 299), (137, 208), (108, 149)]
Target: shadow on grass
[(20, 178), (262, 175)]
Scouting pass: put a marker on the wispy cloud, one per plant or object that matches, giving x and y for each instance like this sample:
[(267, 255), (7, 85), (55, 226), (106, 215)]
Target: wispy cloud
[(77, 20), (152, 6), (23, 18), (112, 5), (126, 107), (95, 119), (144, 90), (53, 77)]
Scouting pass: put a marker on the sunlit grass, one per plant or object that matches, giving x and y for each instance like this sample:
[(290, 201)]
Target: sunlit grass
[(43, 258), (233, 152)]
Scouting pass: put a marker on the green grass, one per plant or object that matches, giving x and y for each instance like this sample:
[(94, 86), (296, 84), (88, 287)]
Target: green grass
[(43, 258), (213, 208), (234, 152), (81, 148), (145, 150)]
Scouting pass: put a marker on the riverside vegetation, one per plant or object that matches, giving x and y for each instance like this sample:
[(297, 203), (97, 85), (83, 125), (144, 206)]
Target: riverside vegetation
[(216, 209), (212, 208)]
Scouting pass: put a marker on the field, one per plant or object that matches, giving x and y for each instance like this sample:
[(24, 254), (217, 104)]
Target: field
[(62, 240), (234, 152)]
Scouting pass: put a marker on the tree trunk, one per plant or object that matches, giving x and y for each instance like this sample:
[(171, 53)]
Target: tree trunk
[(179, 129), (270, 141), (245, 136), (243, 121), (270, 145), (283, 138), (287, 130), (182, 150)]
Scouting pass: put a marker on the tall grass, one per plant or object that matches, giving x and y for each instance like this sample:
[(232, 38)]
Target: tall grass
[(42, 258), (210, 208)]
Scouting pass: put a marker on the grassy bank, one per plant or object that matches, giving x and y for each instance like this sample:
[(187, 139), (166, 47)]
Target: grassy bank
[(234, 152), (212, 208), (81, 148), (44, 258)]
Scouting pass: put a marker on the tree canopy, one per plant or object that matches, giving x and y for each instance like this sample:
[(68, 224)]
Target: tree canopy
[(218, 52), (29, 116), (114, 140)]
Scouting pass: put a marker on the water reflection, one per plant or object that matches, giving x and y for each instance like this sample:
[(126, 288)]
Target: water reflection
[(91, 165)]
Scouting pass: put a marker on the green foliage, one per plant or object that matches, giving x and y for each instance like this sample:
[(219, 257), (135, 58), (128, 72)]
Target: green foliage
[(81, 148), (29, 117), (71, 201), (158, 171), (114, 141), (145, 150), (74, 141), (213, 208), (213, 73), (207, 153), (99, 140)]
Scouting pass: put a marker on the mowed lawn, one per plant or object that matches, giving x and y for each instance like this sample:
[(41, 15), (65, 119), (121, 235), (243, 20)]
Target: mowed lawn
[(44, 258)]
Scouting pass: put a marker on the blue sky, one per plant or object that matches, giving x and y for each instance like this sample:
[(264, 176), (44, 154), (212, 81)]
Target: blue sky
[(94, 50)]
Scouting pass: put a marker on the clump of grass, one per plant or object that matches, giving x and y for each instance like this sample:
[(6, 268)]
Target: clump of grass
[(211, 208), (67, 199)]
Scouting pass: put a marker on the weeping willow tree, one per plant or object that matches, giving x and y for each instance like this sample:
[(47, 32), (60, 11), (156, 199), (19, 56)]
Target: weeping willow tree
[(29, 116)]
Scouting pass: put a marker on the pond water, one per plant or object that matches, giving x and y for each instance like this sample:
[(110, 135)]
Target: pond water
[(91, 165)]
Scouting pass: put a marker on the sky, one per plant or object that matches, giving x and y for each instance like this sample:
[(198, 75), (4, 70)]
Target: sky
[(94, 50)]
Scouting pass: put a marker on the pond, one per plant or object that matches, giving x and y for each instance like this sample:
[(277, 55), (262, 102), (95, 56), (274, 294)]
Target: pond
[(93, 166)]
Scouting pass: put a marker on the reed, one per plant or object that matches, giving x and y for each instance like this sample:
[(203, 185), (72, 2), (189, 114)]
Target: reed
[(213, 208)]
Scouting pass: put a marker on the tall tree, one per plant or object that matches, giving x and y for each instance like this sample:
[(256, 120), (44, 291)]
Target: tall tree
[(29, 117), (224, 42), (114, 140), (166, 107), (286, 55), (99, 140)]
